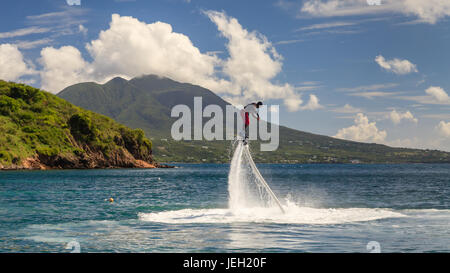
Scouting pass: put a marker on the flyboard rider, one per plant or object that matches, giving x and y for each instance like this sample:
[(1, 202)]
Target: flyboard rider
[(250, 109)]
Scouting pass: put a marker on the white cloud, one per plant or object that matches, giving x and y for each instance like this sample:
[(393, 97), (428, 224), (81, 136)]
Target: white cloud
[(67, 15), (427, 11), (12, 63), (62, 67), (288, 42), (373, 87), (326, 25), (347, 109), (330, 8), (438, 94), (129, 48), (397, 117), (132, 48), (371, 95), (363, 130), (82, 29), (444, 128), (252, 64), (370, 91), (64, 22), (32, 44), (293, 104), (396, 66), (435, 95), (313, 104), (23, 32)]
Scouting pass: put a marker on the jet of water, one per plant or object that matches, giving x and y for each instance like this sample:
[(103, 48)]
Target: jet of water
[(246, 186)]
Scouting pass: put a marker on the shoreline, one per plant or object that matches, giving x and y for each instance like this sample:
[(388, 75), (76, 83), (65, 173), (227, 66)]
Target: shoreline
[(167, 166), (85, 169), (316, 163), (41, 167)]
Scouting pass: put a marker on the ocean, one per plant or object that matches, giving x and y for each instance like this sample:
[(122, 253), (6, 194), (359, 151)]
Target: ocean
[(328, 208)]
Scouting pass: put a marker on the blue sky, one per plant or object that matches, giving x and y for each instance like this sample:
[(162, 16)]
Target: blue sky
[(337, 67)]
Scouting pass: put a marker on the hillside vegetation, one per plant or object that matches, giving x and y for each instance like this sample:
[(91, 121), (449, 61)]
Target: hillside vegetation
[(146, 102), (38, 130)]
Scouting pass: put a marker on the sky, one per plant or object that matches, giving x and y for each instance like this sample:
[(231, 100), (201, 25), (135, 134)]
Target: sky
[(365, 70)]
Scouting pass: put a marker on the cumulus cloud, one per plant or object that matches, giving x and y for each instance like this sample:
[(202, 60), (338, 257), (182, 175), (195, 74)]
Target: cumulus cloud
[(435, 95), (438, 94), (429, 11), (12, 63), (313, 103), (363, 131), (292, 104), (253, 62), (62, 67), (444, 128), (397, 66), (130, 48), (397, 117)]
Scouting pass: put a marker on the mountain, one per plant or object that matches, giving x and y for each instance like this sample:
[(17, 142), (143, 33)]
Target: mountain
[(39, 130), (146, 102)]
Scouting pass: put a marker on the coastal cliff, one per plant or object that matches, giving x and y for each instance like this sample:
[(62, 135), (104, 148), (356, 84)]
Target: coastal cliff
[(41, 131)]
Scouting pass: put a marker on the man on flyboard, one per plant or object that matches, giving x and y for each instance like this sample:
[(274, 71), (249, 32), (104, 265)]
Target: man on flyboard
[(252, 109)]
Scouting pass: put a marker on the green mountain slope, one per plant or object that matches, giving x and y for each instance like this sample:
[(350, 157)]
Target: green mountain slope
[(38, 130), (146, 102)]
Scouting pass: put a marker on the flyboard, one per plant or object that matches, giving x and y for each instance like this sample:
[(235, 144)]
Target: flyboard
[(259, 177)]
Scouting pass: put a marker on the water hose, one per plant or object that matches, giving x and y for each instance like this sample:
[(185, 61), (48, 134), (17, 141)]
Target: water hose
[(261, 178)]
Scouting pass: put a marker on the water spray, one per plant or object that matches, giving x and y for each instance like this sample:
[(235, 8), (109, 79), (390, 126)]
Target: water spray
[(260, 178), (239, 179)]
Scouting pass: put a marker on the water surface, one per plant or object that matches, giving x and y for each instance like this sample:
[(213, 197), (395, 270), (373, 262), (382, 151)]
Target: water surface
[(329, 208)]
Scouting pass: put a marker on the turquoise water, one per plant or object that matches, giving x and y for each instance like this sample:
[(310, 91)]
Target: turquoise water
[(329, 208)]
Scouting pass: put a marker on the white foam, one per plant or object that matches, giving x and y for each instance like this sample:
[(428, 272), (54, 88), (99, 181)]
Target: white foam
[(256, 205), (293, 215)]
